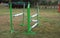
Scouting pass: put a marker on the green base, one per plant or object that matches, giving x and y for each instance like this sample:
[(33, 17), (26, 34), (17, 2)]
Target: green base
[(21, 24), (29, 33), (12, 31)]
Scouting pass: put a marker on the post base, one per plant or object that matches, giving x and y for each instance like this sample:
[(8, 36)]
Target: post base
[(12, 31), (29, 33), (21, 24)]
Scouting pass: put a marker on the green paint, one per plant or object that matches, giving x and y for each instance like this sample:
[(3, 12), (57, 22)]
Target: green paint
[(11, 24), (28, 17)]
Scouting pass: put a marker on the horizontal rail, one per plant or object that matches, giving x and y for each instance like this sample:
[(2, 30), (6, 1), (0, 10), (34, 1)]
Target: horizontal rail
[(18, 14), (34, 25), (34, 20), (34, 15)]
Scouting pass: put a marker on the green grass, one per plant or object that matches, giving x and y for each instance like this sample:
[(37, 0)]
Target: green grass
[(49, 25)]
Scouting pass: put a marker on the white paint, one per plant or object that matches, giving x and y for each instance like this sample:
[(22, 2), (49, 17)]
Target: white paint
[(34, 20), (18, 14), (34, 25), (34, 15)]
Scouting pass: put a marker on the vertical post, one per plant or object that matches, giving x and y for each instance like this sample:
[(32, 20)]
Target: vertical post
[(11, 24), (37, 13), (23, 13), (28, 17)]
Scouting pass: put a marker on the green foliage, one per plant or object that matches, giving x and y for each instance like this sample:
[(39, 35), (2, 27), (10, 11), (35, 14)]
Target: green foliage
[(44, 2), (55, 3)]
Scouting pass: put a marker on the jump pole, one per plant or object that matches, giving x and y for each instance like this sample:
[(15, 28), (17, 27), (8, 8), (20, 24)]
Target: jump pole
[(11, 24), (29, 18), (29, 28)]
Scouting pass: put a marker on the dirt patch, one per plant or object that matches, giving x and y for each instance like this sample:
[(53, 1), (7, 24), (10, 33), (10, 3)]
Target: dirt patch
[(4, 22)]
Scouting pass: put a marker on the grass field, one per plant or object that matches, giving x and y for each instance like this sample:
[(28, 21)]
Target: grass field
[(49, 26)]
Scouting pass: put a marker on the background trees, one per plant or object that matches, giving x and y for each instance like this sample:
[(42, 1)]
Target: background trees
[(41, 2)]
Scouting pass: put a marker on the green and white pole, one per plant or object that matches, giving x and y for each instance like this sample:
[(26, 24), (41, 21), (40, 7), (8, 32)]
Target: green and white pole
[(11, 24)]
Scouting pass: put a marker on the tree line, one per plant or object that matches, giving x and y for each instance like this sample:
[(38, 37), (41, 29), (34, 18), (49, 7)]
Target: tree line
[(41, 2)]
